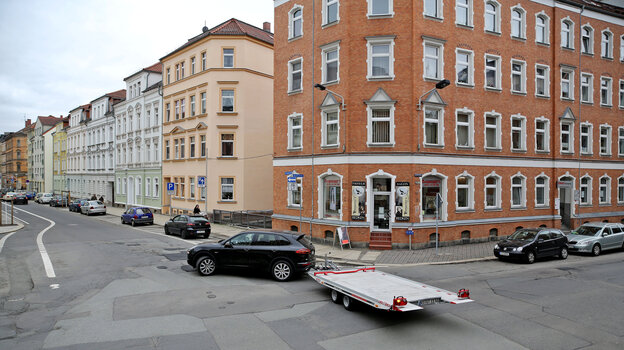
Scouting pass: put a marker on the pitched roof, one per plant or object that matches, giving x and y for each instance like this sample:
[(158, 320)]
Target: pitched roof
[(598, 6), (156, 68), (232, 27), (118, 95), (49, 120)]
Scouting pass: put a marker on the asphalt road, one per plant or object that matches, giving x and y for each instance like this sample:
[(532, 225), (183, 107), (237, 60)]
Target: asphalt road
[(118, 287)]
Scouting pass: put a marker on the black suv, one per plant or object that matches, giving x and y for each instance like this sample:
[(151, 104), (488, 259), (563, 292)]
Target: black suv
[(529, 244), (281, 253)]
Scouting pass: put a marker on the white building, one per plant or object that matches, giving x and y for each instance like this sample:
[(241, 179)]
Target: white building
[(76, 150), (40, 144)]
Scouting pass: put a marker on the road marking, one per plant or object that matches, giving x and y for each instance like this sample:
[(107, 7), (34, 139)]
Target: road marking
[(54, 286), (4, 239), (47, 263)]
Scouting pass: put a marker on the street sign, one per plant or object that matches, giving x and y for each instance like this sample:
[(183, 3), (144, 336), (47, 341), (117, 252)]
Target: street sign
[(291, 180), (288, 172), (170, 188), (296, 175), (201, 181)]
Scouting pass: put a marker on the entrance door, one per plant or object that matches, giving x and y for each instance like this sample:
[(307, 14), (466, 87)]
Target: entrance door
[(565, 202), (431, 187), (382, 212)]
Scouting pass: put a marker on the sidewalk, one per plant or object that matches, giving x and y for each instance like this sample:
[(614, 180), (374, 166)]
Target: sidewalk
[(358, 256)]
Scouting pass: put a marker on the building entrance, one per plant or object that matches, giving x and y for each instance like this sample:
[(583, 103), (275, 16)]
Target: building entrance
[(431, 186), (381, 204), (565, 202)]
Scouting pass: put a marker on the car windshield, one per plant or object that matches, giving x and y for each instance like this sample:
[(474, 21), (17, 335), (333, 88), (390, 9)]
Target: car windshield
[(197, 219), (523, 235), (586, 230), (143, 211)]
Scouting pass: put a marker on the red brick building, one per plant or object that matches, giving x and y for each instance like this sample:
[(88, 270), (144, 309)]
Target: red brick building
[(533, 117)]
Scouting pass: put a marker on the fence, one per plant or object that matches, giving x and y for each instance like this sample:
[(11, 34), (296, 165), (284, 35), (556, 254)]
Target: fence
[(6, 213), (246, 218)]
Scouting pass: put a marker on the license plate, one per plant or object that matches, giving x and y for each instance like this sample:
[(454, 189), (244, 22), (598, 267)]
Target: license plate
[(504, 253), (201, 231)]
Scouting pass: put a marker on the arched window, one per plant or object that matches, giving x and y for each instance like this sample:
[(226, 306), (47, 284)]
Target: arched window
[(586, 190), (296, 23), (492, 17), (492, 191), (605, 190), (606, 45), (517, 22), (542, 29), (567, 34), (587, 39), (518, 192)]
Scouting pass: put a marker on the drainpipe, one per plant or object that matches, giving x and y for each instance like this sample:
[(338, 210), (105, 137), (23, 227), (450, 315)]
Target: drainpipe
[(313, 128), (580, 27)]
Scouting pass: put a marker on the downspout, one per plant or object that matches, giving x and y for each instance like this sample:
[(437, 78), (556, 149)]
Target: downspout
[(580, 26), (313, 117)]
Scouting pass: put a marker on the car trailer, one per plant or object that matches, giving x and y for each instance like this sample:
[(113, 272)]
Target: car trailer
[(382, 290)]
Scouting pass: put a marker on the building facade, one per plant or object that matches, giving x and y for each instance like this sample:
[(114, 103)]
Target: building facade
[(138, 123), (76, 151), (527, 130), (14, 159), (217, 120), (41, 159), (59, 156)]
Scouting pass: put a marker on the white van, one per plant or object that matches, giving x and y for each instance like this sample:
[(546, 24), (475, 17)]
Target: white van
[(45, 198)]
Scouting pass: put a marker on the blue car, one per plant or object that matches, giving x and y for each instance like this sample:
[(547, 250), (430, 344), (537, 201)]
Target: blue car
[(138, 215), (30, 195)]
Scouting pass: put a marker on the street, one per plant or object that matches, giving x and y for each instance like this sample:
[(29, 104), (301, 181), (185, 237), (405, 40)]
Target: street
[(118, 287)]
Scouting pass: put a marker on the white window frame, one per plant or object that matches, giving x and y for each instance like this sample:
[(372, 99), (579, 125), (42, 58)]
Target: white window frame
[(570, 33), (226, 55), (291, 199), (545, 77), (609, 42), (439, 59), (155, 184), (335, 46), (291, 129), (380, 40), (546, 187), (497, 187), (325, 11), (370, 13), (587, 188), (521, 75), (570, 134), (222, 186), (148, 187), (321, 197), (588, 135), (604, 188), (439, 122), (291, 72), (497, 132), (522, 22), (497, 16), (621, 94), (439, 9), (569, 81), (589, 86), (590, 36), (469, 125), (621, 141), (609, 91), (325, 125), (546, 134), (522, 191), (622, 48), (620, 190), (469, 187), (606, 138), (497, 71), (521, 130), (291, 22), (469, 13), (469, 65), (369, 126), (546, 19)]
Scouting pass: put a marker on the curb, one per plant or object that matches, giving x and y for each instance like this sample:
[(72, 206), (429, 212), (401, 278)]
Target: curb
[(15, 227)]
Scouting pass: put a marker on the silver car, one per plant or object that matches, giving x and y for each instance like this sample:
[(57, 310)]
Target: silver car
[(594, 237), (93, 207)]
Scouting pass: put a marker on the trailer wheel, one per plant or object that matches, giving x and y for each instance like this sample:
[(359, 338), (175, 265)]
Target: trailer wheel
[(335, 296), (348, 303)]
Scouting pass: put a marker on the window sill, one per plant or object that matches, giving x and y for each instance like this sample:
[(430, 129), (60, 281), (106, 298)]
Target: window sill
[(380, 144), (605, 155), (386, 78), (466, 148), (492, 33), (374, 16), (330, 83), (227, 113), (544, 97), (227, 158), (567, 99), (437, 19), (604, 204), (327, 25), (539, 43), (464, 85), (493, 89), (606, 106), (518, 150), (587, 103), (295, 92), (463, 211), (571, 49), (430, 145), (491, 149), (587, 154), (464, 26), (590, 54), (518, 38), (297, 207), (330, 146), (294, 149), (291, 39), (432, 79), (226, 202), (542, 207), (492, 209), (519, 208), (519, 93), (567, 153), (607, 58), (586, 205)]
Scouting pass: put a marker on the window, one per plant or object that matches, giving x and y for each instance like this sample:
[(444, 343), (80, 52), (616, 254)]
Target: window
[(542, 135), (331, 202), (434, 126), (168, 111), (434, 60), (192, 105), (518, 22), (227, 189), (518, 193), (622, 48), (295, 23), (542, 32), (228, 58), (380, 57), (295, 131), (331, 63), (605, 140), (604, 191), (183, 108), (295, 73), (168, 75), (567, 34), (605, 91), (492, 131), (167, 151), (380, 8), (227, 145), (492, 17), (542, 81), (227, 100), (192, 187), (541, 191), (182, 148), (176, 148), (621, 99), (192, 65), (492, 72), (203, 61), (587, 40), (492, 191), (587, 89), (465, 191), (621, 141), (331, 12), (433, 8), (518, 76), (464, 129), (330, 128), (380, 121), (463, 12), (192, 145), (586, 138), (182, 70), (202, 146), (464, 62), (567, 137), (177, 109), (567, 84), (182, 187), (203, 102), (294, 197), (518, 133), (606, 44)]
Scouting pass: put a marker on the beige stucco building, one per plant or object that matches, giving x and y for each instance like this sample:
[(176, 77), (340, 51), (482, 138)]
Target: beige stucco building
[(217, 120)]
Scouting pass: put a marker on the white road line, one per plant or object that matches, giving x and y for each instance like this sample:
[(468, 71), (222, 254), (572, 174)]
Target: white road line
[(4, 239), (47, 263)]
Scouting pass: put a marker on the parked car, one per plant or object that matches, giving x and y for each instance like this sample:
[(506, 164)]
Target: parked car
[(594, 237), (31, 195), (20, 198), (9, 196), (138, 215), (529, 244), (76, 203), (45, 198), (188, 226), (280, 253), (92, 207), (58, 201)]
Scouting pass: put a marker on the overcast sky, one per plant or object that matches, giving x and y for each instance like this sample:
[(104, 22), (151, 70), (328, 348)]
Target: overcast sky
[(59, 54)]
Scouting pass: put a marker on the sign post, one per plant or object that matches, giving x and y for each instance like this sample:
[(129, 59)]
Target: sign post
[(438, 203), (410, 232), (170, 191), (291, 182)]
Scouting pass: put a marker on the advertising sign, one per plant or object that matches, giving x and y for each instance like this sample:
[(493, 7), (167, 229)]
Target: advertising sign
[(402, 201), (358, 201), (343, 235)]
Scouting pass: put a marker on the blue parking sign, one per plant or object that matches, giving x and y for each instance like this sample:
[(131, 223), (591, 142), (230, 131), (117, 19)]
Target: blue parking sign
[(170, 186)]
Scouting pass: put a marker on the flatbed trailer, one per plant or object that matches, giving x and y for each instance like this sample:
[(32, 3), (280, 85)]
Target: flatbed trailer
[(383, 290)]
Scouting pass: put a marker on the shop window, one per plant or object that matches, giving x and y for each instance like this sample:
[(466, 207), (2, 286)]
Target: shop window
[(331, 197)]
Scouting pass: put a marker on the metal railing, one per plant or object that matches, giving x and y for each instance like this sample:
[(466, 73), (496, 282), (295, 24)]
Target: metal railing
[(245, 218)]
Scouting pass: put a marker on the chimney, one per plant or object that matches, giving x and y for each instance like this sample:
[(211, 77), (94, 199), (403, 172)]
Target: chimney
[(266, 26), (28, 122)]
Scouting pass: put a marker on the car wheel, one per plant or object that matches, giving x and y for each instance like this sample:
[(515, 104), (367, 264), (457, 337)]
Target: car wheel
[(282, 270), (132, 223), (335, 296), (596, 250), (122, 221), (167, 231), (206, 266), (530, 257), (348, 303), (183, 234), (563, 253)]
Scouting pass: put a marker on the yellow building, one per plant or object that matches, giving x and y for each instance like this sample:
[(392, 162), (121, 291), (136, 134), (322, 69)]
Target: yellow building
[(217, 120), (59, 155)]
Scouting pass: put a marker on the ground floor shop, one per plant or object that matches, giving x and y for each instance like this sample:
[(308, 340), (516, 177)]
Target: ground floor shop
[(87, 185), (138, 187)]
